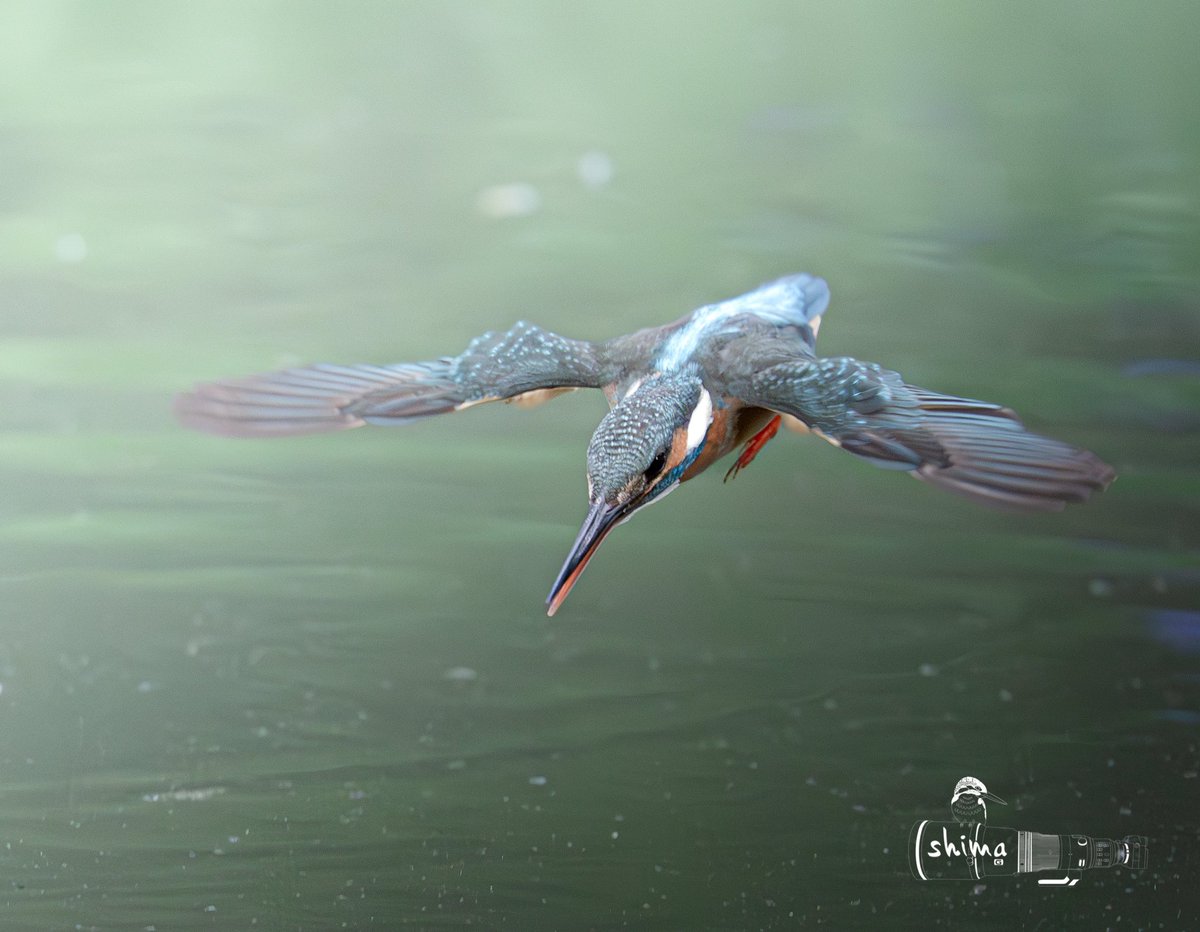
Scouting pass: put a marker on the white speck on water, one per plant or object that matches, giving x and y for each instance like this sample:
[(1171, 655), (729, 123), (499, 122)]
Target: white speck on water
[(616, 835), (71, 248), (461, 675), (185, 796), (927, 669), (595, 169), (538, 780), (145, 686), (504, 201), (1005, 696), (1100, 587)]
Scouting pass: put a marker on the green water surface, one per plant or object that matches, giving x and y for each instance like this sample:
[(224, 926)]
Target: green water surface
[(308, 684)]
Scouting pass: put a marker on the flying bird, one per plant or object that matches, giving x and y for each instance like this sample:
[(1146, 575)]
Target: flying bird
[(681, 396)]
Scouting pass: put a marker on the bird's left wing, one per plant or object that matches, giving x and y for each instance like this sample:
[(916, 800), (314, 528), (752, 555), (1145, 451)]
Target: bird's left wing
[(522, 363), (974, 448)]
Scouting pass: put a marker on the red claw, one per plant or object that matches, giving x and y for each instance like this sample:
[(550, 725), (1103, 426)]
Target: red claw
[(753, 446)]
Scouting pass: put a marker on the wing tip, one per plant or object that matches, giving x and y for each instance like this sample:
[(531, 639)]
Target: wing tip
[(209, 408), (319, 398), (1036, 485)]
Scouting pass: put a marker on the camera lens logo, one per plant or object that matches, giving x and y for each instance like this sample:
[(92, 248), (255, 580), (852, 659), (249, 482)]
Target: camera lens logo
[(970, 848)]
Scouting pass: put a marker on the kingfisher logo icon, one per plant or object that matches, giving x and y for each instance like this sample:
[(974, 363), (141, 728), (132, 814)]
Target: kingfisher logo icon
[(970, 799), (970, 849)]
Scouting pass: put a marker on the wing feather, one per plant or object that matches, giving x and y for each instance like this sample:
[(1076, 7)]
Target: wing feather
[(973, 448), (327, 397)]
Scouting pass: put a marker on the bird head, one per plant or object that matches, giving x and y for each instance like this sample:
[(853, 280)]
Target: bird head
[(968, 802), (638, 454)]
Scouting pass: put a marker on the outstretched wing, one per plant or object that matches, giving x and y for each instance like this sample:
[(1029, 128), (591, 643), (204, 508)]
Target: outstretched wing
[(522, 361), (974, 448)]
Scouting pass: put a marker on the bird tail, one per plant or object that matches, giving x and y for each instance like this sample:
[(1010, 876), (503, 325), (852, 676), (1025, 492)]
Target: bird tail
[(982, 451), (799, 300), (320, 398)]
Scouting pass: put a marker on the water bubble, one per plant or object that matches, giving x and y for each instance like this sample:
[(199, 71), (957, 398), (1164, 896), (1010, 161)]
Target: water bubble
[(504, 201), (71, 248), (595, 169)]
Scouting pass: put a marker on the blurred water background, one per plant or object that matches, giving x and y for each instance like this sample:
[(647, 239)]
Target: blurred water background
[(308, 684)]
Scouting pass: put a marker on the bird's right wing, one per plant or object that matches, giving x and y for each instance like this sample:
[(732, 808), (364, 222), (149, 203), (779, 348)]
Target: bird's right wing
[(522, 363), (974, 448)]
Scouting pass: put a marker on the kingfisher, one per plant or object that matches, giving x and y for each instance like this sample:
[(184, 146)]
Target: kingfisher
[(970, 799), (681, 396)]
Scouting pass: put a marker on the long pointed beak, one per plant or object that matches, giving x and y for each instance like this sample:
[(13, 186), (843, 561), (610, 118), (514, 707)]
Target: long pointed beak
[(601, 518), (992, 797)]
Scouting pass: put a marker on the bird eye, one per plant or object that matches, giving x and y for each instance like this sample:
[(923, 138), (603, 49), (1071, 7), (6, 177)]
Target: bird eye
[(656, 464)]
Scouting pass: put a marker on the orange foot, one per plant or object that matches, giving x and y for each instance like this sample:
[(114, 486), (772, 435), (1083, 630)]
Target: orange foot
[(753, 446)]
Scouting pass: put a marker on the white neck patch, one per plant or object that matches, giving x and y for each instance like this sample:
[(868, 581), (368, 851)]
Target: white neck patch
[(700, 420)]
